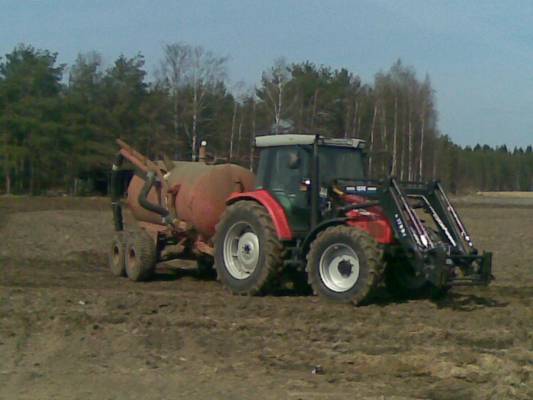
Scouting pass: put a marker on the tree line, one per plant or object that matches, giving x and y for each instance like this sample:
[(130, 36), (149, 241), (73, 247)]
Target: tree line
[(58, 123)]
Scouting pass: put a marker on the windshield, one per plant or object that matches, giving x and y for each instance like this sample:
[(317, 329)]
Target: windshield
[(340, 163)]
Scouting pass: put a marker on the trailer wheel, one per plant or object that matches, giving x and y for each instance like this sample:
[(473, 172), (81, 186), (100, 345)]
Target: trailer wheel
[(402, 283), (247, 249), (140, 255), (344, 264), (117, 261)]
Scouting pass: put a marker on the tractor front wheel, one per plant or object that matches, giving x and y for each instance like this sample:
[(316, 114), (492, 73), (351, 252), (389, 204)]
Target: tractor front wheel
[(247, 249), (344, 264)]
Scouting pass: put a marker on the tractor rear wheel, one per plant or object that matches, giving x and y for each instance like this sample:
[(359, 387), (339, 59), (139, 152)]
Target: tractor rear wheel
[(344, 264), (140, 255), (117, 259), (247, 249)]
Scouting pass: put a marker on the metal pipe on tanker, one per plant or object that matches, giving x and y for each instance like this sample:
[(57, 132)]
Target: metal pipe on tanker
[(146, 204), (202, 152), (116, 193), (201, 198)]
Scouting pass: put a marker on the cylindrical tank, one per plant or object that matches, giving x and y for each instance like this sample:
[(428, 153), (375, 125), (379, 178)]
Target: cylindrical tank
[(201, 190)]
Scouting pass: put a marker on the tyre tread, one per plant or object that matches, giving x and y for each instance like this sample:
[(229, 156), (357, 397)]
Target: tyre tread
[(146, 252), (119, 238), (373, 254), (272, 248)]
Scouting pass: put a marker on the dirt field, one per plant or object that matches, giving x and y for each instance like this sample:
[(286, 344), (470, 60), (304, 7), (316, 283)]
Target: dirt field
[(69, 330)]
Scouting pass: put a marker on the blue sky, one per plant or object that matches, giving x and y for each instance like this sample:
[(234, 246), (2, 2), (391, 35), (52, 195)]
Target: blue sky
[(479, 54)]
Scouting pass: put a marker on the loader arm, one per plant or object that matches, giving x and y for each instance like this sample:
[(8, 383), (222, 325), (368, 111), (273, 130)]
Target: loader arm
[(444, 214), (412, 235)]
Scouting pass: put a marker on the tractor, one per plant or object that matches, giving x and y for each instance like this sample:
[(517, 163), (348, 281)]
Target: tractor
[(309, 209)]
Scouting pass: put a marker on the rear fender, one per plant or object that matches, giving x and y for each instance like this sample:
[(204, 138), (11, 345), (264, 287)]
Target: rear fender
[(276, 211)]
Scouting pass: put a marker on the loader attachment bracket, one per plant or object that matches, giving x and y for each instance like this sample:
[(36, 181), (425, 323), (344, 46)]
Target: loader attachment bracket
[(472, 270)]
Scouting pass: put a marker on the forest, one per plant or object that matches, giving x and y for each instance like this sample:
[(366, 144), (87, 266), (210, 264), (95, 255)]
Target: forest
[(58, 122)]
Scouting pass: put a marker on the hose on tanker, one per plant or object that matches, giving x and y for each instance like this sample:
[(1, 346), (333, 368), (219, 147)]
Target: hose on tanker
[(116, 193), (143, 199)]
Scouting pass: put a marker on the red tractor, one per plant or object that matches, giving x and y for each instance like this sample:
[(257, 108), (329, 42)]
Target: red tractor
[(309, 209)]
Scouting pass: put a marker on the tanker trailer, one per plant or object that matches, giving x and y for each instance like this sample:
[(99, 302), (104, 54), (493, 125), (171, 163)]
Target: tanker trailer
[(176, 206)]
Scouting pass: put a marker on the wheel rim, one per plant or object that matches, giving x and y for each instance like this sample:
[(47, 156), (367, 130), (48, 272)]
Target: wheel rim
[(339, 267), (241, 250), (116, 254), (132, 259)]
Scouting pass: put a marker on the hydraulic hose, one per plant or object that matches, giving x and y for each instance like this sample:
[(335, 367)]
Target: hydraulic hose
[(143, 199), (359, 206), (116, 193)]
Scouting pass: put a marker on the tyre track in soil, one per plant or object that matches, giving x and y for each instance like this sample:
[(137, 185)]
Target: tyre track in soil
[(70, 330)]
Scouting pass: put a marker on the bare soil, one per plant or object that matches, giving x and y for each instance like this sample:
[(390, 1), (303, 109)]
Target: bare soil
[(69, 330)]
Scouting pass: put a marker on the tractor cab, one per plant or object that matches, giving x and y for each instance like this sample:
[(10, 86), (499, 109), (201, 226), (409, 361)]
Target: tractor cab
[(289, 166)]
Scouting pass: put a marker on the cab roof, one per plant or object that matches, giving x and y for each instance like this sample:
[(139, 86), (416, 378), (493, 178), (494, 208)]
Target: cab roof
[(305, 139)]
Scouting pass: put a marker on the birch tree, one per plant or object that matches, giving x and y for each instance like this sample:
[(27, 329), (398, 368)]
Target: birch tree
[(426, 110), (253, 128), (274, 83), (232, 135), (206, 70), (395, 138), (372, 129), (174, 67)]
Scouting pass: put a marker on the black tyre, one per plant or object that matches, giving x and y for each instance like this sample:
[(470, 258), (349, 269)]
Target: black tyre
[(206, 267), (344, 264), (247, 250), (402, 283), (140, 255), (116, 260)]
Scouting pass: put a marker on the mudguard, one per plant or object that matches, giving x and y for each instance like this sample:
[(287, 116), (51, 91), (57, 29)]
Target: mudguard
[(276, 211)]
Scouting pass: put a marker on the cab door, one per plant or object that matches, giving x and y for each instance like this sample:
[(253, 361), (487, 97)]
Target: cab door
[(283, 171)]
